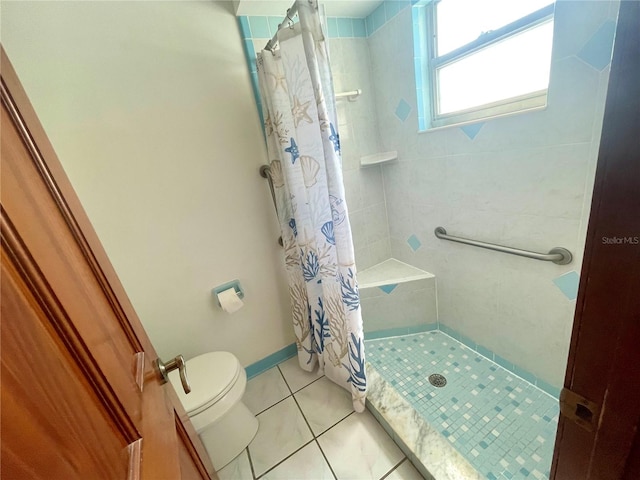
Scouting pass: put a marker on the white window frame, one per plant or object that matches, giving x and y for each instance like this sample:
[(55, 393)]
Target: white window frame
[(531, 101)]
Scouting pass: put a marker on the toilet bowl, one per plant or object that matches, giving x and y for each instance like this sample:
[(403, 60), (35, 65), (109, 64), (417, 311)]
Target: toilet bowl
[(214, 406)]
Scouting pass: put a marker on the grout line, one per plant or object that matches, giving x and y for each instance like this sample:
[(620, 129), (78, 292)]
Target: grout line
[(326, 459), (253, 472), (315, 438), (312, 382), (301, 388), (271, 406), (285, 379), (393, 469), (286, 458), (303, 416), (510, 372), (329, 428), (386, 208), (501, 369)]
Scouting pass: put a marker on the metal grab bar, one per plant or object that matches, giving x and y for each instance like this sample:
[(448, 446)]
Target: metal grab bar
[(557, 255), (265, 172)]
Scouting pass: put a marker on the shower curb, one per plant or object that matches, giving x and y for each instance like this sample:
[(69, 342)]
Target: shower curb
[(431, 453)]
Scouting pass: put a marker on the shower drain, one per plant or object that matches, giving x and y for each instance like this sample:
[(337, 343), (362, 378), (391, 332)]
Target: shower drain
[(437, 380)]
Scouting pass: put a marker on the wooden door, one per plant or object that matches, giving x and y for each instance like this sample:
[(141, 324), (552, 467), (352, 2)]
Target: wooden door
[(604, 358), (81, 397)]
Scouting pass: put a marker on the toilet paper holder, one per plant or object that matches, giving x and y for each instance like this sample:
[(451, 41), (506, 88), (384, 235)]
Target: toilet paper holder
[(235, 284)]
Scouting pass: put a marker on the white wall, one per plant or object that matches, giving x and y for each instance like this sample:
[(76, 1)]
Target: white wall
[(150, 109), (524, 180)]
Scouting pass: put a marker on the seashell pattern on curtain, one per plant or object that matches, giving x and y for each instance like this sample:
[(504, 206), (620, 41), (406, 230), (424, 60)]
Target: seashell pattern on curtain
[(304, 150)]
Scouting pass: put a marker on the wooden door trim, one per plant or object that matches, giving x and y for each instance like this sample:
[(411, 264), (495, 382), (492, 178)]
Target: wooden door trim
[(35, 280), (604, 361), (18, 106), (67, 214), (183, 435), (71, 209)]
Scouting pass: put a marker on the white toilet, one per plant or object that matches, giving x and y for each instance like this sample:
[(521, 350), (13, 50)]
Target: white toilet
[(224, 423)]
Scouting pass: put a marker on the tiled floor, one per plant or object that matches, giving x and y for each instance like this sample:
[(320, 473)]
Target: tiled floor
[(308, 430), (503, 425)]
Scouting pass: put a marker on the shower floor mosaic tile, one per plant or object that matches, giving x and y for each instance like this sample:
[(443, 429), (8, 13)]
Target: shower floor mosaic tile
[(503, 425)]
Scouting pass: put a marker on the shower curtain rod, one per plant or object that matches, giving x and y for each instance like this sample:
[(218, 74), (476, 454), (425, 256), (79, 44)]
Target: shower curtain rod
[(288, 19)]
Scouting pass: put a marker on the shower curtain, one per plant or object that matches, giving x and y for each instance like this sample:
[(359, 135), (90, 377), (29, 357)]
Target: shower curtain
[(304, 152)]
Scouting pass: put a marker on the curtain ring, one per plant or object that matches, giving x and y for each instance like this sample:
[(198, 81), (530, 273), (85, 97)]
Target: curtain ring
[(290, 19)]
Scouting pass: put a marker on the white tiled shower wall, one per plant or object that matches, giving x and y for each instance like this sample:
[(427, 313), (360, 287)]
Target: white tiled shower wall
[(359, 136), (523, 180)]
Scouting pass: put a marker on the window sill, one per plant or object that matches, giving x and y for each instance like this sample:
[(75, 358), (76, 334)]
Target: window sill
[(463, 119)]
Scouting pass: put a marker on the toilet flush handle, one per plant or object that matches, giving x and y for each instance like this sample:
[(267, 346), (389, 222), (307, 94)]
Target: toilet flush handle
[(171, 365)]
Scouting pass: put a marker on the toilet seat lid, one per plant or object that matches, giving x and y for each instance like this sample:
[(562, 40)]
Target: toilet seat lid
[(211, 376)]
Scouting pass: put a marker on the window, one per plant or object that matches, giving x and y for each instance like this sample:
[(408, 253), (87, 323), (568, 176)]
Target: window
[(483, 58)]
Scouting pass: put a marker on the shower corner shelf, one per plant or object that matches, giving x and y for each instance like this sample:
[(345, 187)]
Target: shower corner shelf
[(377, 158)]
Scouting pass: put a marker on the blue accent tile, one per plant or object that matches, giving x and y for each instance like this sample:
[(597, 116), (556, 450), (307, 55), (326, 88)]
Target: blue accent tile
[(273, 24), (250, 55), (359, 27), (417, 69), (395, 332), (332, 25), (427, 327), (467, 341), (403, 110), (369, 23), (472, 130), (503, 362), (378, 17), (414, 243), (259, 27), (244, 26), (486, 395), (271, 361), (388, 288), (392, 7), (422, 108), (345, 28), (256, 88), (485, 352), (597, 51), (528, 376), (449, 331), (568, 284), (547, 387)]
